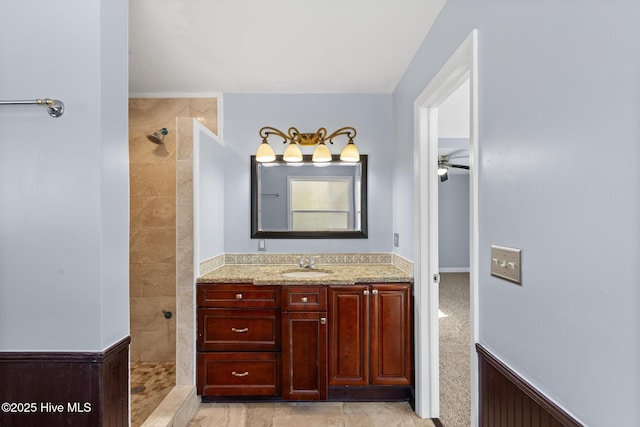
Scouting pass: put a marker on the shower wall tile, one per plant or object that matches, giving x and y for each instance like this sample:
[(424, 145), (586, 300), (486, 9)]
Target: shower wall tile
[(147, 116), (184, 177), (185, 265), (152, 280), (152, 335), (149, 246), (185, 139), (184, 268), (185, 225), (185, 367), (147, 312), (161, 198), (153, 212), (152, 179), (141, 150), (152, 113), (158, 346), (205, 110)]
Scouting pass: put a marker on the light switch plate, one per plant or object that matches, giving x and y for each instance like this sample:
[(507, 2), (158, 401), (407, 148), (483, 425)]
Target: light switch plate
[(506, 263)]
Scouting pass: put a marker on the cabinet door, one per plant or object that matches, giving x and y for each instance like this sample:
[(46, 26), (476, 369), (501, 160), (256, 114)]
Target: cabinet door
[(349, 335), (391, 335), (304, 356)]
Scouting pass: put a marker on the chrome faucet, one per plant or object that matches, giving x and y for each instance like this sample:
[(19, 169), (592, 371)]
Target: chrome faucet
[(307, 262)]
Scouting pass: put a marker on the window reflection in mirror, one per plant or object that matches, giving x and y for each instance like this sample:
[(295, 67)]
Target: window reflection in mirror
[(309, 200)]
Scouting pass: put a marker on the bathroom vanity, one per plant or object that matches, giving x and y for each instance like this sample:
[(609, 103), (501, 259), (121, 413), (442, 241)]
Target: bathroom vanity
[(282, 333)]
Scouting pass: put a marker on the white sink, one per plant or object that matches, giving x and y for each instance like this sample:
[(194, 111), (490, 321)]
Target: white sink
[(307, 274)]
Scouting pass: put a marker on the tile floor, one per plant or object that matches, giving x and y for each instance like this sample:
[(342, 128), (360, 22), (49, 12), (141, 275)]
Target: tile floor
[(150, 384), (305, 414)]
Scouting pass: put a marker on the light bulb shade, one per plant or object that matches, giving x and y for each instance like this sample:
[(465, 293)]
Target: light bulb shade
[(442, 170), (292, 153), (265, 153), (321, 154), (350, 153)]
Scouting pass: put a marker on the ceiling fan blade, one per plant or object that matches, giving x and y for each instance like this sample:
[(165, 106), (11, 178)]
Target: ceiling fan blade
[(459, 151), (458, 166)]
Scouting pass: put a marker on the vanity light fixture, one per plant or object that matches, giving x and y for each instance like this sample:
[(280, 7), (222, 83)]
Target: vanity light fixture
[(295, 139)]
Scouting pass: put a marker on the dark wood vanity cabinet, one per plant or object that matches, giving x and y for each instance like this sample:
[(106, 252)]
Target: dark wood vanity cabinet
[(238, 343), (370, 335), (304, 343)]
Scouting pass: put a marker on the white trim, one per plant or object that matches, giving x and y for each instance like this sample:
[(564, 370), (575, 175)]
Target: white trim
[(455, 270), (175, 95), (461, 66)]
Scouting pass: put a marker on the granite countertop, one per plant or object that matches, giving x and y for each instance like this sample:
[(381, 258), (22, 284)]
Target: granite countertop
[(340, 274)]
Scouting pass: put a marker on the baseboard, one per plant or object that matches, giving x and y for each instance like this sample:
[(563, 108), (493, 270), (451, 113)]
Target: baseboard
[(370, 394), (507, 399), (454, 270), (66, 388)]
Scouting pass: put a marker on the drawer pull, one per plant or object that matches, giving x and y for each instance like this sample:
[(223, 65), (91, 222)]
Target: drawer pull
[(240, 330), (238, 374), (374, 292), (238, 296), (304, 299)]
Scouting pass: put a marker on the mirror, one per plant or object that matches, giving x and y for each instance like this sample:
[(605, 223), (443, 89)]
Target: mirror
[(309, 200)]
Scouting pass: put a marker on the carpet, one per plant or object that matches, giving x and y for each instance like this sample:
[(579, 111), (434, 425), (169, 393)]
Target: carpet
[(455, 350)]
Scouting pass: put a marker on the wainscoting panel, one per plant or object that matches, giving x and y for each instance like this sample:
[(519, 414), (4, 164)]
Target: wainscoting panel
[(65, 388), (508, 400)]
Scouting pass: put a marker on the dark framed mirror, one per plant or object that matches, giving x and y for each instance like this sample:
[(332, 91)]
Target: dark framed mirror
[(309, 200)]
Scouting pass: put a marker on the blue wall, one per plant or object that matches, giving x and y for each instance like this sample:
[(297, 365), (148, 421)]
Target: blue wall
[(559, 92), (209, 185), (244, 115), (453, 223), (64, 182)]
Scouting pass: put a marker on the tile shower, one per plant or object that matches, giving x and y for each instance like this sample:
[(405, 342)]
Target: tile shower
[(152, 264)]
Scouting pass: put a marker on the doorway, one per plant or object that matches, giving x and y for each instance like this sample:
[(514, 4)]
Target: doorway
[(460, 67), (453, 255)]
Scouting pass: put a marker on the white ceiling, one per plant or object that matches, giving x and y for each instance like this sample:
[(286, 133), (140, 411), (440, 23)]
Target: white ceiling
[(183, 47)]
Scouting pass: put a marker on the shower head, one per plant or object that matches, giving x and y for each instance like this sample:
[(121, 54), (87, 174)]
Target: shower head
[(158, 136)]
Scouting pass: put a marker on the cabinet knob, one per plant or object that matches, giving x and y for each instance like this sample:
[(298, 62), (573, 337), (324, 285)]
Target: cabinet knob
[(374, 292), (240, 374), (240, 330), (304, 299), (365, 292), (323, 320), (238, 296)]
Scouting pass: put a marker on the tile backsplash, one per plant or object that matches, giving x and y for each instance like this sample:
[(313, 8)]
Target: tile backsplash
[(321, 258)]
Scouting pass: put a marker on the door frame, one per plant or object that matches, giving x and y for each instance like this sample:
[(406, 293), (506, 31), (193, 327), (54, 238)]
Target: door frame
[(462, 65)]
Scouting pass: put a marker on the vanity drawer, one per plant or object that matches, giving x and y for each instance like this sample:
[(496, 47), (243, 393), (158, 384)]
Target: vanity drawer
[(241, 330), (304, 298), (238, 296), (239, 374)]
